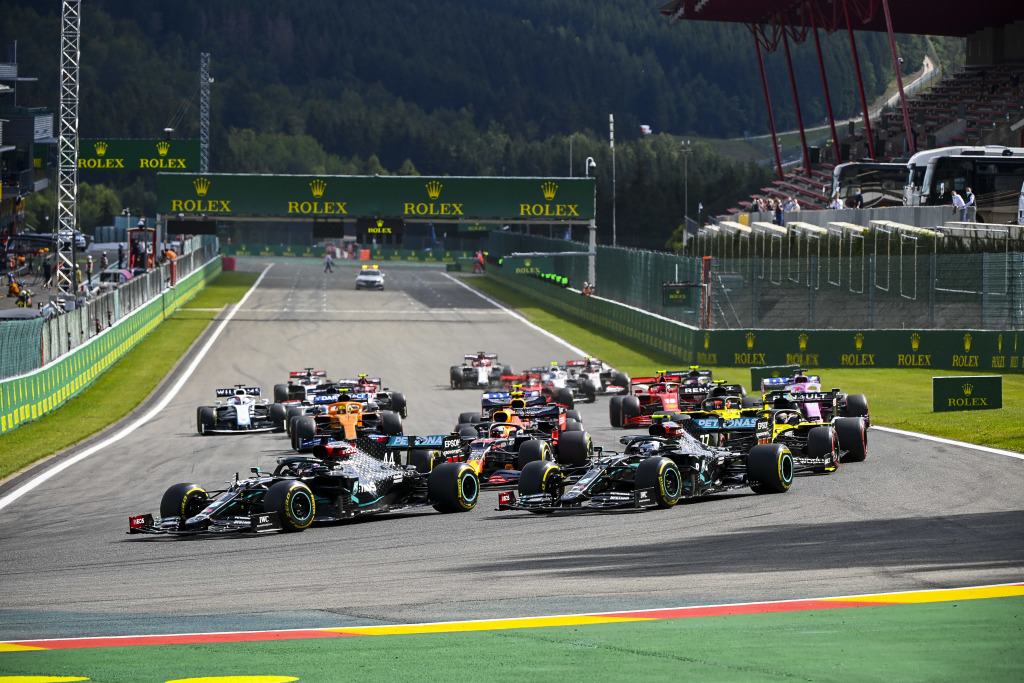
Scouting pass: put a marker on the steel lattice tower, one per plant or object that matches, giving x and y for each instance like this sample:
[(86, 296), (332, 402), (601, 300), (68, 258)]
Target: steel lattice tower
[(204, 112), (67, 173)]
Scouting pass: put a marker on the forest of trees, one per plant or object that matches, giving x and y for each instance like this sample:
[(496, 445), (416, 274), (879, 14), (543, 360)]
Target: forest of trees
[(454, 87)]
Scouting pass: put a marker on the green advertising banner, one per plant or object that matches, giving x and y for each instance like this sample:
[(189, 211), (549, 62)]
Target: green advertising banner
[(108, 154), (967, 392), (414, 255), (681, 294), (528, 265), (476, 226), (408, 197)]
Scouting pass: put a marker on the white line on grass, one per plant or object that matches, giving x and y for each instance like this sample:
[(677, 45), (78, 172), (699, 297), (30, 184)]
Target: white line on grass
[(171, 393), (951, 442)]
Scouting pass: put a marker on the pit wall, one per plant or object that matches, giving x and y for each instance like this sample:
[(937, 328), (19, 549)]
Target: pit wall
[(35, 394), (968, 350)]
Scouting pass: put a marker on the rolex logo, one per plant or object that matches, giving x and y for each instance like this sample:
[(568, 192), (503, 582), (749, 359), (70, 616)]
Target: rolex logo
[(1000, 343), (968, 388), (101, 148), (803, 342), (750, 340), (707, 340), (318, 186), (915, 341), (858, 341), (549, 189), (434, 189), (163, 147), (202, 186), (527, 263), (967, 342), (380, 223)]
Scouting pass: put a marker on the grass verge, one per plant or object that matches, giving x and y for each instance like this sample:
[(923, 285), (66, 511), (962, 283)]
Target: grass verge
[(898, 398), (125, 384)]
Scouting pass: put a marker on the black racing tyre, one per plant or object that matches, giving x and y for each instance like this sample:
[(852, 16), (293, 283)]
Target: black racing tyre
[(390, 423), (206, 418), (573, 425), (752, 402), (663, 477), (531, 451), (620, 379), (469, 418), (574, 449), (423, 461), (183, 500), (399, 404), (630, 408), (293, 502), (539, 477), (589, 390), (506, 370), (280, 393), (453, 487), (563, 397), (303, 428), (615, 411), (464, 429), (573, 415), (455, 376), (293, 412), (853, 438), (278, 414), (770, 468), (822, 444), (856, 406)]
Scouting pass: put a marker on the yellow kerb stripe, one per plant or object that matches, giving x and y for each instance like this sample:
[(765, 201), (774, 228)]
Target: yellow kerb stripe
[(940, 596), (483, 625)]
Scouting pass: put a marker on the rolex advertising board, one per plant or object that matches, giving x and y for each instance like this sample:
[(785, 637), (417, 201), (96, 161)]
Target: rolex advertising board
[(550, 200), (110, 154), (978, 392)]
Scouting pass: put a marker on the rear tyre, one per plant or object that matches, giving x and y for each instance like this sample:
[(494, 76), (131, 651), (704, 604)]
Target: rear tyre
[(620, 379), (853, 438), (574, 449), (293, 502), (183, 500), (423, 461), (857, 406), (532, 451), (464, 429), (303, 429), (615, 411), (590, 391), (564, 397), (822, 444), (280, 393), (206, 419), (399, 404), (573, 415), (573, 426), (390, 423), (770, 468), (663, 477), (455, 376), (539, 477), (469, 418), (278, 415), (453, 487)]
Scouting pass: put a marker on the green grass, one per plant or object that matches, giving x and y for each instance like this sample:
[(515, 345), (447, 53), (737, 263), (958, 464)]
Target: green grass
[(126, 384), (898, 398)]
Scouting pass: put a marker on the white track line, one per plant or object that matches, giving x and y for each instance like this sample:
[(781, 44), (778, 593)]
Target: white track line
[(951, 442), (171, 393)]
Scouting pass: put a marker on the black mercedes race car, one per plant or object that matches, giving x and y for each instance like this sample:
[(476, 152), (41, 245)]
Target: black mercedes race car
[(655, 470), (343, 482), (241, 411)]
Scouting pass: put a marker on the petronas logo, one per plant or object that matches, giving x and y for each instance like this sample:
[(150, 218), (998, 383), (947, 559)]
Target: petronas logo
[(434, 189), (318, 187), (549, 189), (101, 148), (202, 186), (163, 147)]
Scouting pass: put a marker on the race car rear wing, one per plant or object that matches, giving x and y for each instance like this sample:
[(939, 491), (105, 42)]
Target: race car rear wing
[(475, 356), (308, 371), (249, 391), (829, 397), (337, 397), (397, 449), (504, 399), (773, 383)]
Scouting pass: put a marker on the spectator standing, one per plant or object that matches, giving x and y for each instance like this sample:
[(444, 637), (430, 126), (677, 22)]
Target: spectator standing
[(327, 262), (47, 273), (958, 205), (970, 200), (780, 213), (858, 200), (120, 255), (104, 261), (88, 269), (837, 203), (78, 276)]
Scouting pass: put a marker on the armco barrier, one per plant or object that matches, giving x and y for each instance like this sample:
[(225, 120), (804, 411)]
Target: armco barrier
[(977, 350), (33, 395)]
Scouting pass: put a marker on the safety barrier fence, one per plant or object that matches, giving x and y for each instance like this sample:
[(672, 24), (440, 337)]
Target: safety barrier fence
[(976, 350), (378, 254), (96, 341)]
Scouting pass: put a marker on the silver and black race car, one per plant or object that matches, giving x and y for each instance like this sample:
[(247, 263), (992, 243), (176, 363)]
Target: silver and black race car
[(655, 470), (479, 370), (241, 411), (340, 482)]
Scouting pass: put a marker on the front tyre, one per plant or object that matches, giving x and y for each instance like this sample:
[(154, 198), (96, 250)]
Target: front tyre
[(206, 419), (770, 468), (303, 429), (663, 477), (453, 487), (293, 502), (278, 415), (183, 500), (823, 445), (539, 477), (391, 423), (532, 451), (615, 411), (574, 448)]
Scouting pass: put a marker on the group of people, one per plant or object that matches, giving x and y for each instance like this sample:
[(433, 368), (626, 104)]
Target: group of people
[(960, 204), (778, 207)]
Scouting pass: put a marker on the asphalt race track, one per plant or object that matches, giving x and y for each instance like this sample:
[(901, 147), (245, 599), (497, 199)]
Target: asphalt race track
[(916, 515)]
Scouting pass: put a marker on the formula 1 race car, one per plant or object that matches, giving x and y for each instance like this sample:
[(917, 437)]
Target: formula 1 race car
[(242, 411), (343, 483), (301, 384), (479, 370), (346, 420), (655, 470), (604, 378), (804, 388)]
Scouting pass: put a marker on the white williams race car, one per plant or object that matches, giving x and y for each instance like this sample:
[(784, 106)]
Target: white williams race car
[(241, 411)]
